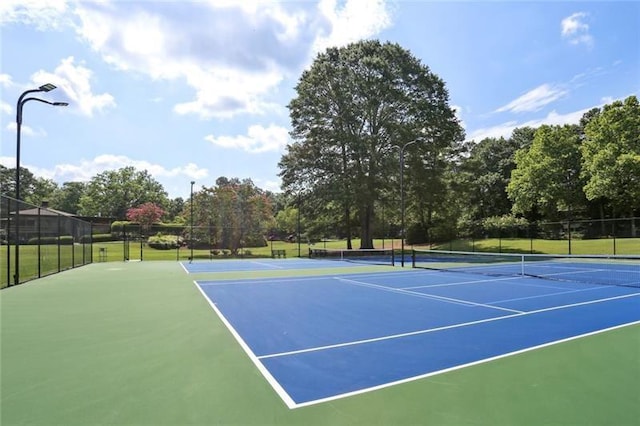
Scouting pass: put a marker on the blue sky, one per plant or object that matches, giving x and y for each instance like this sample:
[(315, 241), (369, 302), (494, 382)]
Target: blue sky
[(197, 90)]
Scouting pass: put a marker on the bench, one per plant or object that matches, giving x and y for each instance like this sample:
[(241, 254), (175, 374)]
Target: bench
[(278, 253)]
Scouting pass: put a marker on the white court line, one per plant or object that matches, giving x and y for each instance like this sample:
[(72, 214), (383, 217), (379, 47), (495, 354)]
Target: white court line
[(265, 280), (268, 265), (550, 294), (458, 367), (291, 404), (426, 295), (491, 280), (448, 327), (267, 375)]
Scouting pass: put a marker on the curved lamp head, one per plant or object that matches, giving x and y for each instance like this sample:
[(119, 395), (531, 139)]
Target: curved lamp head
[(47, 87)]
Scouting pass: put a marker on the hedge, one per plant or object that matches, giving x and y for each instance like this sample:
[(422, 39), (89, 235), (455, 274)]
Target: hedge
[(66, 240)]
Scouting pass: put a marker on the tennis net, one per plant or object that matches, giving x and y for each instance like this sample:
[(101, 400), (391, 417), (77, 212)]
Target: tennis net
[(618, 270), (370, 256)]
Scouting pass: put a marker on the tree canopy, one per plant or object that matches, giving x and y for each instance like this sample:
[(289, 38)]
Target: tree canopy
[(113, 192), (354, 110), (611, 155)]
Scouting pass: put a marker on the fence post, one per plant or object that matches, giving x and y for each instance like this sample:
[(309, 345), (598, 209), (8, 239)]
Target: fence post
[(39, 229), (59, 249), (613, 230)]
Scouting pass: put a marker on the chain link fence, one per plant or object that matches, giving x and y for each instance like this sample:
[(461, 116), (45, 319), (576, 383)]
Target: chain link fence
[(595, 236), (38, 241)]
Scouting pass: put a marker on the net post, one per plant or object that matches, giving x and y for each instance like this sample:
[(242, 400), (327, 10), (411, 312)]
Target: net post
[(393, 257), (522, 265)]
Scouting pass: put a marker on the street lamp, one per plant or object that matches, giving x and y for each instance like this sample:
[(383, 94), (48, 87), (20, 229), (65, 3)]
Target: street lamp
[(21, 101), (402, 231), (191, 233)]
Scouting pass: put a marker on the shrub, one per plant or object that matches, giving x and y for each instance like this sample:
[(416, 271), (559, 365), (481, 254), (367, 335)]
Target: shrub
[(163, 242), (65, 240), (97, 238)]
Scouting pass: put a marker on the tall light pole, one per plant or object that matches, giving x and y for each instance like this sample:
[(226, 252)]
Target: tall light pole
[(402, 231), (21, 101), (191, 233)]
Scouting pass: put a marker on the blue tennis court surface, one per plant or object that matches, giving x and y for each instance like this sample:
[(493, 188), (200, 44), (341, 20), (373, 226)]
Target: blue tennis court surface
[(261, 264), (320, 338)]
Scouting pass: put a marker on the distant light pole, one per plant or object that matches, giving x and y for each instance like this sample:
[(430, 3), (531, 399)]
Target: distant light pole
[(402, 230), (21, 101), (191, 233), (298, 225)]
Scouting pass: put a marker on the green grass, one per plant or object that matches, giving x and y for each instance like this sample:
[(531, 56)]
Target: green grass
[(115, 251), (136, 344), (623, 246)]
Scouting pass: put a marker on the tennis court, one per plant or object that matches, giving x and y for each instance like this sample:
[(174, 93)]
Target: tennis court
[(252, 265), (317, 339), (137, 343)]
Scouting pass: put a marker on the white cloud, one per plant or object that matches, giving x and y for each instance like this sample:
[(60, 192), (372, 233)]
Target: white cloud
[(356, 20), (535, 99), (258, 139), (576, 30), (5, 80), (26, 130), (505, 129), (43, 14), (75, 81), (5, 108), (87, 169), (269, 185), (233, 54)]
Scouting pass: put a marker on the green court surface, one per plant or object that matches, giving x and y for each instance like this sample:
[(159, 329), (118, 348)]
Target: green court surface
[(136, 343)]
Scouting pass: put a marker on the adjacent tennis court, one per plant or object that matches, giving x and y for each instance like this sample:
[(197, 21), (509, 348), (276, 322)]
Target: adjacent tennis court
[(317, 339)]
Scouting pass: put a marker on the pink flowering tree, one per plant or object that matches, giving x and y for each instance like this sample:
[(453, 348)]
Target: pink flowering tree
[(146, 215)]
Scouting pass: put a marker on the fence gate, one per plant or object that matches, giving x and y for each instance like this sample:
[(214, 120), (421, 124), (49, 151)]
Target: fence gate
[(132, 242)]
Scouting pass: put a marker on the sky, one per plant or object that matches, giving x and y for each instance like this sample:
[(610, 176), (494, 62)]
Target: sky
[(195, 90)]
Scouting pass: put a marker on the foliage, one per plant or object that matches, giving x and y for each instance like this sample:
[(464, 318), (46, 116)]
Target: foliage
[(484, 175), (547, 174), (65, 240), (113, 193), (287, 220), (100, 238), (230, 215), (354, 108), (164, 242), (67, 197), (146, 215), (506, 225), (611, 155), (33, 190)]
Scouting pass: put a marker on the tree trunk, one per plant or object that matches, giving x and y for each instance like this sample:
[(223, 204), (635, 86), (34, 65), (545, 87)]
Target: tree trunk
[(366, 223), (347, 225)]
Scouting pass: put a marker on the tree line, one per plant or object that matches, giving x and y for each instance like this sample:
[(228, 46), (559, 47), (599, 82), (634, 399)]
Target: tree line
[(357, 109)]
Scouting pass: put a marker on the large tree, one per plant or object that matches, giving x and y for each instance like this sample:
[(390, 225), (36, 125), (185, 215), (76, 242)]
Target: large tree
[(231, 215), (33, 189), (611, 155), (547, 174), (485, 175), (113, 192), (354, 108), (67, 197)]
